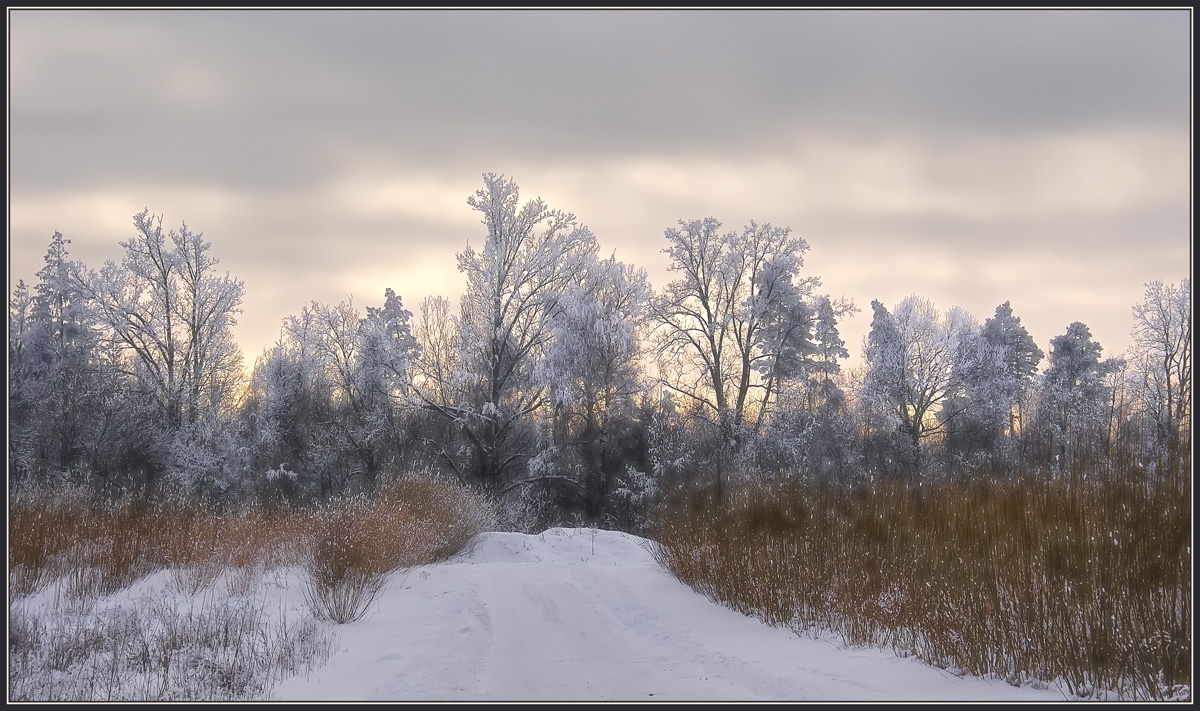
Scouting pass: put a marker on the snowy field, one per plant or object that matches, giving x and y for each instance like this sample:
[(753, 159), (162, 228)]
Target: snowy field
[(577, 614)]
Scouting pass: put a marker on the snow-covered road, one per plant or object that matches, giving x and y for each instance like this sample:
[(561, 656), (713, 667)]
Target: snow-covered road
[(574, 614)]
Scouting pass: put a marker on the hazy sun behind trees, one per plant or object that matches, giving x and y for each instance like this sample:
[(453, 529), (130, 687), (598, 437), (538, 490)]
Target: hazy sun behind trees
[(563, 379)]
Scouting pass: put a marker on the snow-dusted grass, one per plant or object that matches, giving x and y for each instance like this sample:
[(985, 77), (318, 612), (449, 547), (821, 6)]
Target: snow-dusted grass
[(157, 645), (167, 600), (1088, 586)]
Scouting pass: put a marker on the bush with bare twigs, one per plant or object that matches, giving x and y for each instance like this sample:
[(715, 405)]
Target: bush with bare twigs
[(357, 543)]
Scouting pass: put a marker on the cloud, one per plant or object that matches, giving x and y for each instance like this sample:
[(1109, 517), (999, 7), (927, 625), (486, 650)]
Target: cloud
[(258, 97), (965, 155)]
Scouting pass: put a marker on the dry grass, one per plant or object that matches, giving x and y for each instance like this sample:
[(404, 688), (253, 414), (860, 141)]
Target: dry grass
[(41, 530), (1089, 586), (85, 649), (98, 549), (146, 649)]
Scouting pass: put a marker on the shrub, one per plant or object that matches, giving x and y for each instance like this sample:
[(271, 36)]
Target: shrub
[(356, 544)]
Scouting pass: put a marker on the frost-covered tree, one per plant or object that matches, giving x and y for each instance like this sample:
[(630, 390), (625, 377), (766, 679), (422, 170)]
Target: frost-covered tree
[(169, 317), (737, 310), (1021, 359), (734, 325), (809, 431), (829, 346), (59, 305), (832, 450), (1162, 356), (328, 395), (1075, 395), (803, 350), (66, 349), (920, 367), (974, 414), (1021, 354), (20, 336), (592, 372), (172, 314), (514, 283), (58, 389), (23, 390)]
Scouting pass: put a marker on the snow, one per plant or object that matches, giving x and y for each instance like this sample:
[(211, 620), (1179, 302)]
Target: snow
[(580, 614)]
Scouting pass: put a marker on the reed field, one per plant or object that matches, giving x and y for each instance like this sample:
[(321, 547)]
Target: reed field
[(1085, 585), (76, 632)]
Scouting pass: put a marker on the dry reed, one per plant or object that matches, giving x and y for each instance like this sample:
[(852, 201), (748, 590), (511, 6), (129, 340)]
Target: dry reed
[(1087, 585)]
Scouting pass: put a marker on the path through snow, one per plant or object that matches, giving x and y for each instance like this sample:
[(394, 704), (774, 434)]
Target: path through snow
[(577, 614)]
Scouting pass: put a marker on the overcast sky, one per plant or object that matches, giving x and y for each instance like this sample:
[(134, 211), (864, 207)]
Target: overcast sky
[(971, 157)]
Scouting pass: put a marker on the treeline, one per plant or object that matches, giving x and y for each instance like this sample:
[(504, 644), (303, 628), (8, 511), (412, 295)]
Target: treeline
[(563, 382)]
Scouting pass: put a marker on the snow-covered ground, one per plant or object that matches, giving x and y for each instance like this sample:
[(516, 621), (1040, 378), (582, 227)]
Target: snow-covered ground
[(577, 614)]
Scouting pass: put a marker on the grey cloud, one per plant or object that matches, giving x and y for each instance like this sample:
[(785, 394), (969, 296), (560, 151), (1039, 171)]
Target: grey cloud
[(309, 92), (276, 106)]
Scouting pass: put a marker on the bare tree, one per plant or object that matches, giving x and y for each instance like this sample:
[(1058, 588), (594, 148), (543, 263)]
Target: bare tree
[(513, 285), (1162, 338), (173, 315), (736, 323), (920, 365), (437, 365), (714, 320)]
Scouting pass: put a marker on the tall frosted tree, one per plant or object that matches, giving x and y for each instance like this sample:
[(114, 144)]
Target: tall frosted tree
[(920, 365), (809, 431), (1162, 354), (592, 372), (169, 315), (803, 350), (1021, 354), (514, 283), (20, 339), (58, 388), (25, 385), (1021, 359), (736, 310), (166, 306), (1074, 394), (975, 412), (592, 360), (733, 326)]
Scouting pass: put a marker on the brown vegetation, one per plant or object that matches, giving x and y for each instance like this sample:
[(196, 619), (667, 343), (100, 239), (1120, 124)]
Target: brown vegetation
[(212, 647), (355, 545), (101, 548), (1028, 580)]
